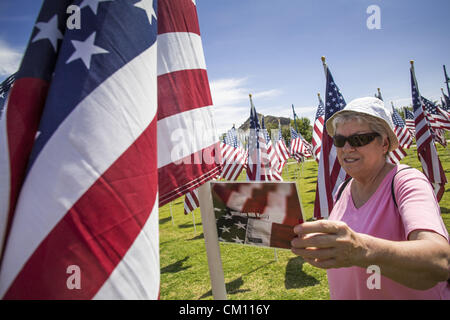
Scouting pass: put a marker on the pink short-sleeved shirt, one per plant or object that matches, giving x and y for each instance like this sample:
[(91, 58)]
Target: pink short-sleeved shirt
[(378, 217)]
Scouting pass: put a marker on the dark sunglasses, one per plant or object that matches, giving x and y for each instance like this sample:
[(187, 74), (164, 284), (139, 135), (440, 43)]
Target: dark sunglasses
[(356, 140)]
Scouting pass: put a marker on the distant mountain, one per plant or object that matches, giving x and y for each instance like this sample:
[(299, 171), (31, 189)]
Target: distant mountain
[(269, 121)]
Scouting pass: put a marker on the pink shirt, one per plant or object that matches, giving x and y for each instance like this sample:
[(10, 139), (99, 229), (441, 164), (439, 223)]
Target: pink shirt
[(378, 217)]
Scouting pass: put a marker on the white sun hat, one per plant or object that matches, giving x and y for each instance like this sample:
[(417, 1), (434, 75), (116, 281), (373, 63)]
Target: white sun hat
[(373, 107)]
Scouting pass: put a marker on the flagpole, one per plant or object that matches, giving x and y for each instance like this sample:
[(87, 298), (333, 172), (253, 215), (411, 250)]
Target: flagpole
[(211, 242), (324, 67)]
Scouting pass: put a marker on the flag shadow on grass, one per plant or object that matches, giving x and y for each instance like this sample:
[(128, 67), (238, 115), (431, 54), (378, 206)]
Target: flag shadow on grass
[(176, 266), (233, 286), (295, 277)]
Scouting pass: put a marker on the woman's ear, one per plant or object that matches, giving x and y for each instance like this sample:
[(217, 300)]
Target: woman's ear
[(386, 145)]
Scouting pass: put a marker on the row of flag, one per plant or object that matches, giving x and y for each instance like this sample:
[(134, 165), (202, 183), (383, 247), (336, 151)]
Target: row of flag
[(262, 158)]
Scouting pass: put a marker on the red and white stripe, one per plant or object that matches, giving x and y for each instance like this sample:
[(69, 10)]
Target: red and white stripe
[(56, 211), (185, 118), (317, 137), (269, 160), (233, 161), (426, 150), (191, 201)]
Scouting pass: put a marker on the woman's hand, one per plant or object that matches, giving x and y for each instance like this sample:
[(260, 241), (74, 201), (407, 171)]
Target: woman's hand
[(329, 244)]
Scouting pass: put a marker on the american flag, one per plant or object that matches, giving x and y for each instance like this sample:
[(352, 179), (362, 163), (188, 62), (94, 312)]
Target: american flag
[(191, 201), (269, 156), (88, 153), (254, 153), (281, 149), (409, 122), (260, 214), (233, 161), (258, 161), (299, 147), (403, 136), (318, 129), (437, 117), (233, 156), (330, 173), (184, 104), (426, 149)]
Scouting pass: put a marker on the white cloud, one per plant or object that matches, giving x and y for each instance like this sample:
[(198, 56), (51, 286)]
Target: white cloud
[(231, 101), (9, 59)]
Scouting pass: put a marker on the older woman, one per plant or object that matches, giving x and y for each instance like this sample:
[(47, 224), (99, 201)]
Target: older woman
[(400, 233)]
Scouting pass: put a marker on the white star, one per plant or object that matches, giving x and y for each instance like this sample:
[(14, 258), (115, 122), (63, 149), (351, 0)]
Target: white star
[(84, 50), (240, 225), (228, 216), (93, 4), (147, 5), (2, 95), (225, 229), (49, 30), (237, 240)]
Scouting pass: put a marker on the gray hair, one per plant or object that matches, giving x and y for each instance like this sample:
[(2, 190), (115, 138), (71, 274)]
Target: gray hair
[(375, 124)]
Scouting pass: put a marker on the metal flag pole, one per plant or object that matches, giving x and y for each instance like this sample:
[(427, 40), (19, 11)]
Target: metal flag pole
[(211, 242)]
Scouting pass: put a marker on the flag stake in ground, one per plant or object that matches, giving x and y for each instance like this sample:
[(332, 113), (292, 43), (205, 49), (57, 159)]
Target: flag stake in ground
[(211, 242)]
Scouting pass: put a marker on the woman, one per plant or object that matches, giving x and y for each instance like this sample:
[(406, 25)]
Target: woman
[(407, 243)]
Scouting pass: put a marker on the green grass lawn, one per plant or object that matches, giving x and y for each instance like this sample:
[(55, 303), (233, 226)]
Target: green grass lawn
[(251, 272)]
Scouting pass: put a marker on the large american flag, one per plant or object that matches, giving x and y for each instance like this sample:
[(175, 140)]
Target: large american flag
[(184, 104), (426, 149), (88, 118), (318, 129), (330, 173)]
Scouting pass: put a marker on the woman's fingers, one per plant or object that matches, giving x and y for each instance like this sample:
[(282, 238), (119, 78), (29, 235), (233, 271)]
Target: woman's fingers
[(315, 253), (319, 240)]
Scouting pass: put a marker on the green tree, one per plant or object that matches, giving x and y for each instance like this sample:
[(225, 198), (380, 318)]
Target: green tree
[(304, 127)]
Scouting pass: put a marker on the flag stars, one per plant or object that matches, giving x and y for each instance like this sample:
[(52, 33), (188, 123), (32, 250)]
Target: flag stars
[(93, 4), (49, 30), (84, 50), (237, 240), (147, 5), (240, 225), (225, 229)]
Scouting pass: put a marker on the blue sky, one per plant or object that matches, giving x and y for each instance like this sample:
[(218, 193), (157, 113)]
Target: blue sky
[(272, 49)]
